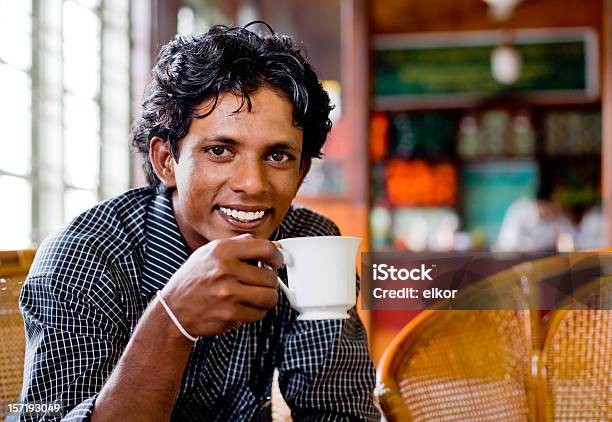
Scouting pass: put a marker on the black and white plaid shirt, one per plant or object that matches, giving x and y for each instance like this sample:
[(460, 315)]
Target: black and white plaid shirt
[(91, 282)]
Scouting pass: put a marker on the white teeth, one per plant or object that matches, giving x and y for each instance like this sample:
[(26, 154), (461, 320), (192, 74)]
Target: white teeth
[(243, 215)]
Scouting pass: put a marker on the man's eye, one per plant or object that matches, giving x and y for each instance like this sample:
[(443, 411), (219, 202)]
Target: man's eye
[(279, 157), (218, 151)]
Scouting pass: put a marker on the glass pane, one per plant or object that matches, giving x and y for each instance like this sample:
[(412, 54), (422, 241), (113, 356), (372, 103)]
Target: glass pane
[(15, 223), (81, 142), (81, 49), (116, 16), (15, 30), (15, 112), (89, 3), (117, 58), (76, 201)]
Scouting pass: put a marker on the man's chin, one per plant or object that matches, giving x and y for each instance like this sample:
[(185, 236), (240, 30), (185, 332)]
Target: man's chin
[(226, 233), (259, 234)]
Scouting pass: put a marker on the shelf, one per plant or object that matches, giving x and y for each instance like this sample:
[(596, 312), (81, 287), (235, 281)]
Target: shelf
[(456, 102)]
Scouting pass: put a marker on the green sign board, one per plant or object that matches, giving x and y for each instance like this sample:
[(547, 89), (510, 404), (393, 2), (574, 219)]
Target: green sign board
[(548, 66)]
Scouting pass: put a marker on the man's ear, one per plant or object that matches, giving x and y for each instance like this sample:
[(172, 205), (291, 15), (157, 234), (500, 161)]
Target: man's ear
[(162, 161), (304, 169)]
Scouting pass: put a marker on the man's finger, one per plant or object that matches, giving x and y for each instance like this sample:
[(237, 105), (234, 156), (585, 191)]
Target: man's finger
[(256, 276), (249, 248), (258, 297)]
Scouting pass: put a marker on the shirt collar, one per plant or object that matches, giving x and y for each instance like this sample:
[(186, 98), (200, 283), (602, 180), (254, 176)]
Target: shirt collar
[(165, 247)]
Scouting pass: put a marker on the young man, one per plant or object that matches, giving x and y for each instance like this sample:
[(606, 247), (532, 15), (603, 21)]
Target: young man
[(229, 126)]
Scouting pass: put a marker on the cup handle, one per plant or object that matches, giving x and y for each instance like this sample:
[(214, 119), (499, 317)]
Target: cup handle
[(286, 257), (288, 292), (287, 261)]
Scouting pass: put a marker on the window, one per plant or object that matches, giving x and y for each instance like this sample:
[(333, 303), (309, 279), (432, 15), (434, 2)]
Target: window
[(65, 107)]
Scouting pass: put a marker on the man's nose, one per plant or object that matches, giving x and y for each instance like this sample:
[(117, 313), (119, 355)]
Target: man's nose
[(250, 177)]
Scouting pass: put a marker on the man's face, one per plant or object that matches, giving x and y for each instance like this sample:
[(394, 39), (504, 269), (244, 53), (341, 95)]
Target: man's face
[(237, 172)]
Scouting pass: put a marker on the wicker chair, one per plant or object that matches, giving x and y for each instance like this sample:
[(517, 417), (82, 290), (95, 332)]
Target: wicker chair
[(14, 266), (458, 365), (576, 359), (485, 365)]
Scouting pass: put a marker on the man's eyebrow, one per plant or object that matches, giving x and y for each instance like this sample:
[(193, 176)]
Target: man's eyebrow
[(283, 145), (221, 139)]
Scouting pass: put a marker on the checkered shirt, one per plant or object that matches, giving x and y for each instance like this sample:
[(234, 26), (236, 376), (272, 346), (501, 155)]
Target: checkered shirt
[(91, 282)]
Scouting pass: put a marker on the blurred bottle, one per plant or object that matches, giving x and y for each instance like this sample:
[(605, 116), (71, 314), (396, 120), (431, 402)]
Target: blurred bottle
[(380, 227), (469, 137), (523, 135)]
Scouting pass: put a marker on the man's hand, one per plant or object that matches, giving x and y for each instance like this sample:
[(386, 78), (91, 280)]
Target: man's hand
[(214, 290), (217, 289)]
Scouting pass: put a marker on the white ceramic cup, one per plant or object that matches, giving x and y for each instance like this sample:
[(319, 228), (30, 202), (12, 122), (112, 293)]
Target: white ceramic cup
[(321, 275)]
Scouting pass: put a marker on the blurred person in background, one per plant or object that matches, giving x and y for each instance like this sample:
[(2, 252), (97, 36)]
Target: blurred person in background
[(535, 225), (592, 230), (148, 306)]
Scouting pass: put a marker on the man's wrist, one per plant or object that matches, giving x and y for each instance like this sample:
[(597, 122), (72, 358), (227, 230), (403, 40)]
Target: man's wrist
[(160, 318), (174, 318)]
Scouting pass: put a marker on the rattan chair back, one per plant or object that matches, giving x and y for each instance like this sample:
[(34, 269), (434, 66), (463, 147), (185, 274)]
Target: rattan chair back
[(576, 364), (449, 365)]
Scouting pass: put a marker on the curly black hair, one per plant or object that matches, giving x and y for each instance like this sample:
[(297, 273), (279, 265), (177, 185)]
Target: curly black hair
[(192, 69)]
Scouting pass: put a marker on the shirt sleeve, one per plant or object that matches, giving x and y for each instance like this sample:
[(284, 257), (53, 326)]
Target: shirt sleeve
[(327, 373), (72, 346)]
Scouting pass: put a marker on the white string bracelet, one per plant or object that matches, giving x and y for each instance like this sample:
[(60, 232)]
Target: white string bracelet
[(174, 318)]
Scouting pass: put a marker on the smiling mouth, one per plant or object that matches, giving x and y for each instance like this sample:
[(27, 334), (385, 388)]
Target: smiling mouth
[(242, 215)]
